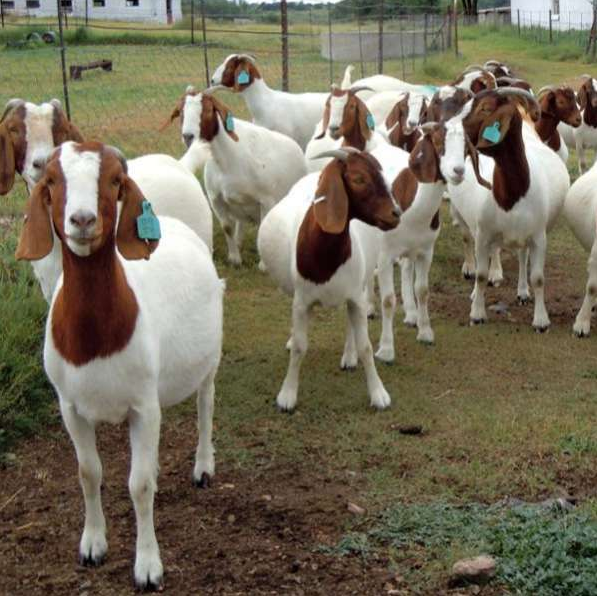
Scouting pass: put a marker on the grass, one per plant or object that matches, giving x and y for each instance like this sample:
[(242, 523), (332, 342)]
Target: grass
[(505, 411)]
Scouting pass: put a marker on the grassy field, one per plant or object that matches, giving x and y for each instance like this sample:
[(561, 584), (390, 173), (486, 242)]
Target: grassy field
[(504, 411)]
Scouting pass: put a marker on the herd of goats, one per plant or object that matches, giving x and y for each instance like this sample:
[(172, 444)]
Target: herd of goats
[(343, 185)]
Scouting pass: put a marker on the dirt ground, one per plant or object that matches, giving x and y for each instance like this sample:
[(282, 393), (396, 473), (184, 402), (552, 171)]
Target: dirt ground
[(255, 531)]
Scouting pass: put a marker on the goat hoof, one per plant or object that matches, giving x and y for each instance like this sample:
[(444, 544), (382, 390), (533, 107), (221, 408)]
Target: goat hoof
[(203, 482), (348, 367), (478, 322), (91, 561), (581, 334), (149, 585), (522, 300), (468, 276), (541, 329)]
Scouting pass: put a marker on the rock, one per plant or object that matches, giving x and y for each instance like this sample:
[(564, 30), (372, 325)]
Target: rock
[(10, 458), (266, 497), (478, 570), (354, 508), (231, 518)]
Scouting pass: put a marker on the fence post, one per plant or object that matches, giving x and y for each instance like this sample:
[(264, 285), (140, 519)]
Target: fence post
[(414, 36), (518, 17), (330, 44), (380, 38), (2, 14), (284, 26), (86, 13), (550, 30), (193, 22), (425, 27), (207, 77), (455, 13), (62, 60), (311, 27), (360, 42)]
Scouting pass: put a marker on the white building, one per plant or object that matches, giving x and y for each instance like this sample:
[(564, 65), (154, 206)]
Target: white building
[(565, 14), (158, 11)]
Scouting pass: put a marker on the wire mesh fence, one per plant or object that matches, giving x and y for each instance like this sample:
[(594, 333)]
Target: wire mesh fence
[(150, 66)]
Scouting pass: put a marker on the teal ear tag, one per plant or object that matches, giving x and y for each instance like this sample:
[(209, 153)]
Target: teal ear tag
[(492, 133), (229, 124), (243, 77), (148, 225), (370, 121), (430, 89)]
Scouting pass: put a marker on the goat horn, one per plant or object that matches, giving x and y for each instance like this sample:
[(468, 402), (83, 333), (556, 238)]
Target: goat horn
[(10, 105), (341, 154), (354, 90), (427, 127), (249, 57), (544, 89), (520, 93), (119, 155), (496, 62), (190, 89), (214, 88)]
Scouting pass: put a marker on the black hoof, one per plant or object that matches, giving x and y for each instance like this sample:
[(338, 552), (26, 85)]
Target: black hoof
[(541, 329), (522, 300), (581, 334), (203, 482), (468, 276), (478, 321), (371, 316), (89, 561), (288, 411), (150, 586), (348, 368)]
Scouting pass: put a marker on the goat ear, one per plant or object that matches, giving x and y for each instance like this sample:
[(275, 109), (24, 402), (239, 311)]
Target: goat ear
[(474, 155), (129, 244), (227, 119), (74, 134), (7, 161), (582, 97), (393, 117), (331, 201), (495, 127), (423, 161), (173, 116), (325, 121), (36, 238), (365, 119)]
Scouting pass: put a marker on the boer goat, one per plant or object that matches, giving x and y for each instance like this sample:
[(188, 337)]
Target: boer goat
[(124, 336)]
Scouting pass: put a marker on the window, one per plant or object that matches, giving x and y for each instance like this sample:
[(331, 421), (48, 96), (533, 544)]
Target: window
[(32, 3), (67, 5), (132, 2), (8, 4), (555, 7), (99, 3)]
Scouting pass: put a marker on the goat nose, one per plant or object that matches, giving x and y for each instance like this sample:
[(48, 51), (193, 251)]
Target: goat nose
[(188, 139), (83, 219), (459, 171), (396, 211), (39, 163)]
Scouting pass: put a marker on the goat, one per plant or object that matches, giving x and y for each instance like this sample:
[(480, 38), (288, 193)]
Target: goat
[(320, 245), (346, 121), (558, 104), (292, 114), (499, 69), (512, 82), (380, 83), (585, 135), (475, 79), (28, 135), (251, 167), (529, 185), (401, 122), (123, 338), (439, 155)]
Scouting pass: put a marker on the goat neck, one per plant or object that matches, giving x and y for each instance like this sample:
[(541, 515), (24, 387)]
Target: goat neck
[(95, 311)]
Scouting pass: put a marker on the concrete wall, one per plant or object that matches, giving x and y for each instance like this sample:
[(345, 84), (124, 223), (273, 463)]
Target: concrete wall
[(573, 14)]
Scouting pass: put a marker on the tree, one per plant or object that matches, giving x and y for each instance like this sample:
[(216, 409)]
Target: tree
[(470, 8)]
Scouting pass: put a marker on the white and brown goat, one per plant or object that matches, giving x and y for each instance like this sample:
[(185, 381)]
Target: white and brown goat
[(125, 336)]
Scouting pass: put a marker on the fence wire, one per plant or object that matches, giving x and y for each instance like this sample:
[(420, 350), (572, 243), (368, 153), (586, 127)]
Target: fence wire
[(151, 66)]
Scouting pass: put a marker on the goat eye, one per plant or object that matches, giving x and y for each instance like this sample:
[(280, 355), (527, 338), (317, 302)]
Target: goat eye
[(116, 182)]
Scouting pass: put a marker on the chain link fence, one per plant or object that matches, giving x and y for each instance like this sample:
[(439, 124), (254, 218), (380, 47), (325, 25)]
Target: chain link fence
[(126, 103)]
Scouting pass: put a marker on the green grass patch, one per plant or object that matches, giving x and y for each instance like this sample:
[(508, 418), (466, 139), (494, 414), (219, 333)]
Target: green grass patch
[(547, 552)]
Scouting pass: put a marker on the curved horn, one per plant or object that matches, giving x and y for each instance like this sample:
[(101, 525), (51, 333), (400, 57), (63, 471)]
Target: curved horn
[(473, 67), (10, 105), (428, 127), (249, 57), (341, 154), (544, 89), (508, 80), (354, 90), (214, 88), (494, 63), (528, 97)]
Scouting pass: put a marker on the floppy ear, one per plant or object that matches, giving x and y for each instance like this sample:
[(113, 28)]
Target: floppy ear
[(582, 97), (495, 127), (363, 114), (331, 201), (423, 161), (7, 161), (243, 76), (130, 246), (74, 134), (394, 116), (474, 154), (173, 116), (326, 120), (227, 119), (36, 238)]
